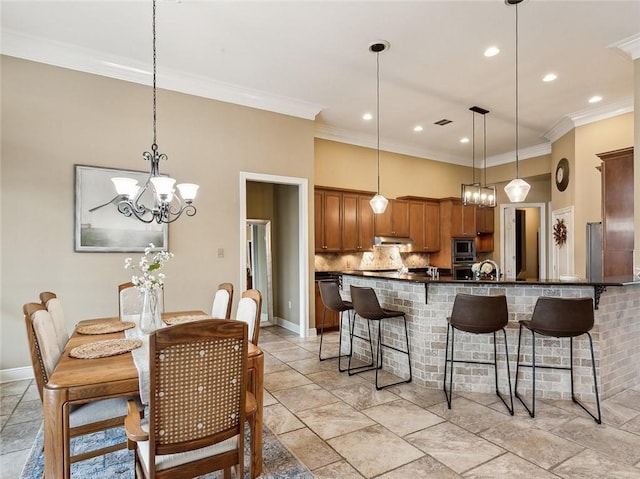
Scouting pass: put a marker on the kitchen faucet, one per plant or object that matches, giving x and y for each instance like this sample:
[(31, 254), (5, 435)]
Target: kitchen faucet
[(495, 267)]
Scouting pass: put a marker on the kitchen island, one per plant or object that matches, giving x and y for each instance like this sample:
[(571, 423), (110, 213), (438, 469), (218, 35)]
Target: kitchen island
[(427, 303)]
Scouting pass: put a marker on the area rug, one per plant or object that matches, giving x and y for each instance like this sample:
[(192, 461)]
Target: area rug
[(278, 461)]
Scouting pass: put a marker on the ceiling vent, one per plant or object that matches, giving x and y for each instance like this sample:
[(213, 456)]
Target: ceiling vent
[(442, 122)]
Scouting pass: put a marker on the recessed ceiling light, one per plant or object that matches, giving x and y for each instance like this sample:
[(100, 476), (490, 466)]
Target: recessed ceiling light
[(417, 128), (550, 77), (595, 99), (491, 52), (464, 140), (367, 116)]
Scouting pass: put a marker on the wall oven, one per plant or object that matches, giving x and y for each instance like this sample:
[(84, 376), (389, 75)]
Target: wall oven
[(462, 270)]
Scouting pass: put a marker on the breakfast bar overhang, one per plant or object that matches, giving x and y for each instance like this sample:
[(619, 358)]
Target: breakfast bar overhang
[(428, 302)]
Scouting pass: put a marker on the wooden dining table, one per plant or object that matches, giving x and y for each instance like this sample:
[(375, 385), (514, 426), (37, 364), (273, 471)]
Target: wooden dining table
[(77, 381)]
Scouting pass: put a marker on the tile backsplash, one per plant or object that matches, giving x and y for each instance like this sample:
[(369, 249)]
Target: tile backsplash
[(382, 257)]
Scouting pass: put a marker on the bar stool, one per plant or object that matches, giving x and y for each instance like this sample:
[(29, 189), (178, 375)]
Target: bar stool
[(366, 304), (331, 300), (559, 318), (478, 315)]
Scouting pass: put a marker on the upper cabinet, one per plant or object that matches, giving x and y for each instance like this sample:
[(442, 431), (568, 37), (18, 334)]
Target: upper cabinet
[(424, 225), (463, 220), (328, 220), (484, 220), (357, 222), (394, 221)]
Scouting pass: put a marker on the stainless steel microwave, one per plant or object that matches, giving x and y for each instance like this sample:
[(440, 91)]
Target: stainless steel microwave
[(463, 249)]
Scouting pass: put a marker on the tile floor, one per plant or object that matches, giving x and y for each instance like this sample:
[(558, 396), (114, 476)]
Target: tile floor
[(342, 428)]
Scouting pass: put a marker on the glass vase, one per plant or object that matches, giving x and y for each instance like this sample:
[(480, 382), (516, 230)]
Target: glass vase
[(150, 315)]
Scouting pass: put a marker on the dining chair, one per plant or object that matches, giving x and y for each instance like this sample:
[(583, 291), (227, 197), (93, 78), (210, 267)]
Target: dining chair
[(130, 300), (52, 303), (83, 418), (222, 301), (198, 400), (249, 310)]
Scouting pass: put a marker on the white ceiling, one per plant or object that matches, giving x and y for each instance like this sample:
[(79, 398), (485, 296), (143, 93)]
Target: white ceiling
[(311, 59)]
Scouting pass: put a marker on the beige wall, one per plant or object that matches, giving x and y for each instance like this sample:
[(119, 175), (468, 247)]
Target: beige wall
[(53, 118), (584, 192), (354, 167)]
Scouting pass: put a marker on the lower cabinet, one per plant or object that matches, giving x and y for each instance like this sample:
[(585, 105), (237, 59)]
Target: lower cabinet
[(332, 318)]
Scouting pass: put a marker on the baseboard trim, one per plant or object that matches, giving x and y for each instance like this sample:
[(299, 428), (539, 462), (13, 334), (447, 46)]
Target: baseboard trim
[(15, 374)]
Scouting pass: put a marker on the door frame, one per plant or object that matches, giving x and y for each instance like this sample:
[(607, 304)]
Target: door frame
[(303, 234), (510, 232)]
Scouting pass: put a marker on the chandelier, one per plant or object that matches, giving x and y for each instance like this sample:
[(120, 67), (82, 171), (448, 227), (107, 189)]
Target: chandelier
[(167, 205), (479, 194)]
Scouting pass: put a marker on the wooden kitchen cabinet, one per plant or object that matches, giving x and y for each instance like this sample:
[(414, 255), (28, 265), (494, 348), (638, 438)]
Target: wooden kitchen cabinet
[(328, 220), (357, 222), (424, 225), (617, 212), (394, 221), (484, 220), (332, 318), (463, 220)]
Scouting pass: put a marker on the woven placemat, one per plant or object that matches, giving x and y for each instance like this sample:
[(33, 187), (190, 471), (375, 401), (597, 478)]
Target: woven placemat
[(102, 349), (185, 319), (105, 328)]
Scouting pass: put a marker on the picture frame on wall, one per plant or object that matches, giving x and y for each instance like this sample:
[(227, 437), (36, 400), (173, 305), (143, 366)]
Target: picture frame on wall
[(99, 226)]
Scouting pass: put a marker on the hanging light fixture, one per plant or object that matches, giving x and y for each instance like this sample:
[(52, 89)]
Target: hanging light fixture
[(378, 202), (477, 193), (517, 189), (167, 206)]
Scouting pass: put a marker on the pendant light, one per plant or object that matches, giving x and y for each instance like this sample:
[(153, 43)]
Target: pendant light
[(166, 206), (478, 193), (378, 202), (517, 189)]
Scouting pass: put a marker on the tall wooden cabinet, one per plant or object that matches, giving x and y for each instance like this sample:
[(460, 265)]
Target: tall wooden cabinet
[(458, 221), (617, 212)]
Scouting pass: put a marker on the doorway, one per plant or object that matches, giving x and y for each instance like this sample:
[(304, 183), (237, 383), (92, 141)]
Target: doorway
[(290, 249), (523, 245)]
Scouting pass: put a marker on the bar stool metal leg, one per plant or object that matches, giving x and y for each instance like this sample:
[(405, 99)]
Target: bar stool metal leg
[(597, 419), (366, 367), (379, 355), (339, 356), (446, 363)]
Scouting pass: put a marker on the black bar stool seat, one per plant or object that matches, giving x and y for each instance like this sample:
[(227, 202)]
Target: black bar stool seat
[(367, 306), (559, 318), (478, 315), (332, 301)]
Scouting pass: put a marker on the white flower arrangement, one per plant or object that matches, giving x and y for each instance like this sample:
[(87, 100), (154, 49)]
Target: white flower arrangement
[(148, 279), (483, 268)]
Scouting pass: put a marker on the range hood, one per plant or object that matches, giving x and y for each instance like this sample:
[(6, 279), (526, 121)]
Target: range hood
[(392, 241)]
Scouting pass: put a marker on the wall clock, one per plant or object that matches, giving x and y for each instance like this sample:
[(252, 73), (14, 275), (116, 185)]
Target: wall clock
[(562, 174)]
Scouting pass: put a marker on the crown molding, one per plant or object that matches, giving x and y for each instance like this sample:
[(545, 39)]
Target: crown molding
[(341, 135), (523, 154), (629, 45), (90, 61), (584, 117)]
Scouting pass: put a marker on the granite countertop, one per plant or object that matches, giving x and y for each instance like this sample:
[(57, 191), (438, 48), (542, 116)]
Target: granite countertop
[(420, 277)]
